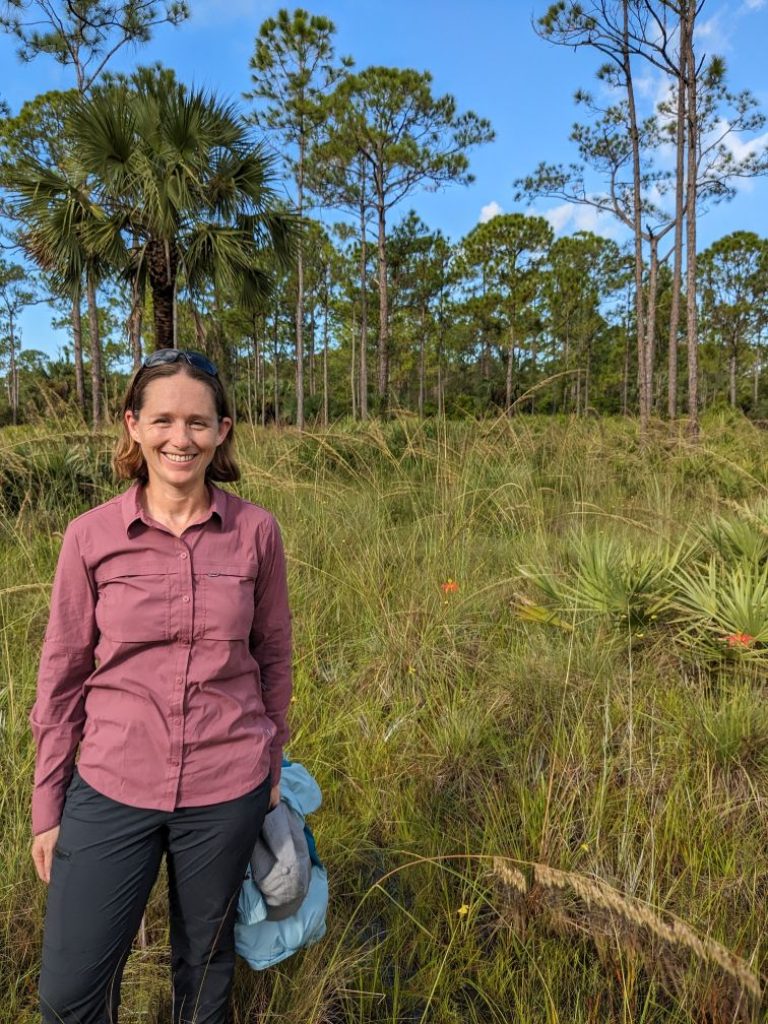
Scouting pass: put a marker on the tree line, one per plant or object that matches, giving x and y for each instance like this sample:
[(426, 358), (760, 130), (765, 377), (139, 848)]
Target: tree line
[(150, 214)]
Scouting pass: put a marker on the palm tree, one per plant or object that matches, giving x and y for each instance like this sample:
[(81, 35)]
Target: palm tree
[(179, 173), (60, 217)]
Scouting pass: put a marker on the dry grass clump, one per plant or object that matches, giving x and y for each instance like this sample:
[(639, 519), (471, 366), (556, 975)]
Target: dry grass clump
[(691, 966)]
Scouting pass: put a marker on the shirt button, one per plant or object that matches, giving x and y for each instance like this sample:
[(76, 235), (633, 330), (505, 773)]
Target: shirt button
[(178, 679), (185, 599), (174, 763), (183, 554)]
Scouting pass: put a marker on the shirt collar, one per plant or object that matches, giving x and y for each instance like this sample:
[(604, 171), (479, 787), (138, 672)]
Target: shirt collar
[(132, 508)]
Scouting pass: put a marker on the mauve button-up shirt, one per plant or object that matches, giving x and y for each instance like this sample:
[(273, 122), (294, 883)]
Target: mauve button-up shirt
[(168, 659)]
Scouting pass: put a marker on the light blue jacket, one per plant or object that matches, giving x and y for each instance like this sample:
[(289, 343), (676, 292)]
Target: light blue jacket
[(264, 943)]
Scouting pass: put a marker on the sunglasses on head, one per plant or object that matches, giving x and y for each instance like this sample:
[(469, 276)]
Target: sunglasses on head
[(172, 355)]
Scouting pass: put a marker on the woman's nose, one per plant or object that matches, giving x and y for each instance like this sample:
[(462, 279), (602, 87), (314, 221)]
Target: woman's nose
[(180, 435)]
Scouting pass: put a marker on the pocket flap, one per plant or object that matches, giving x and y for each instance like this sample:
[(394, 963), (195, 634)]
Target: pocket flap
[(125, 565), (245, 570)]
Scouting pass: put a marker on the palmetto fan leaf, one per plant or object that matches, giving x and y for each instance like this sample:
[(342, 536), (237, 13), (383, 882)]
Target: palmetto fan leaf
[(238, 183), (67, 233), (620, 580), (103, 130), (609, 578), (228, 250), (738, 538), (724, 607)]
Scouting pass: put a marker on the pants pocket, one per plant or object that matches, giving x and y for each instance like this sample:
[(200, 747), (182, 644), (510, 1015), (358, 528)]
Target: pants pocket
[(56, 911)]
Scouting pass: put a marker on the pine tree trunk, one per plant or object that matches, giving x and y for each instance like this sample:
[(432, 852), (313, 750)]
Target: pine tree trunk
[(440, 391), (691, 212), (485, 350), (300, 298), (353, 364), (566, 365), (485, 358), (135, 318), (637, 226), (77, 343), (363, 310), (249, 386), (650, 330), (732, 379), (93, 327), (755, 381), (253, 373), (325, 354), (440, 327), (510, 369), (276, 374), (587, 372), (383, 395), (13, 390), (625, 376), (312, 328), (422, 382), (677, 270), (261, 365)]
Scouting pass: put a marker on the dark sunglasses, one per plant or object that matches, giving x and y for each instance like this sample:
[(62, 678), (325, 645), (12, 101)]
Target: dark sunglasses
[(172, 355)]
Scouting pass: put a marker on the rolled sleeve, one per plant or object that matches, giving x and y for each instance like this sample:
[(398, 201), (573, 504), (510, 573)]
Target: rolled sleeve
[(270, 641), (58, 714)]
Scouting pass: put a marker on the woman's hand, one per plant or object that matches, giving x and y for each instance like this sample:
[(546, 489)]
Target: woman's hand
[(274, 796), (42, 852)]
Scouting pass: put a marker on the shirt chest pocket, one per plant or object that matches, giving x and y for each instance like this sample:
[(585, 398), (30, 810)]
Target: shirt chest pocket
[(227, 594), (134, 602)]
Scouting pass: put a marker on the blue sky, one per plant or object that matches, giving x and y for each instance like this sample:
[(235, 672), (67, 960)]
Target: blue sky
[(484, 52)]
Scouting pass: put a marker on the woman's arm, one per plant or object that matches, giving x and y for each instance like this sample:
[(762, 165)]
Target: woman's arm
[(58, 714), (270, 640)]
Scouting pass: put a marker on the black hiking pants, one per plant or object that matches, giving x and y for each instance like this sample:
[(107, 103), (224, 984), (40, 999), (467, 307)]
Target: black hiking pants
[(107, 859)]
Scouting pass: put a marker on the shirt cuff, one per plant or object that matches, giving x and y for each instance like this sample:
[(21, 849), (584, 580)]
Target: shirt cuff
[(47, 808)]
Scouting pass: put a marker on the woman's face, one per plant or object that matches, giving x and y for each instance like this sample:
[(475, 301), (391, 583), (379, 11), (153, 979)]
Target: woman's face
[(178, 430)]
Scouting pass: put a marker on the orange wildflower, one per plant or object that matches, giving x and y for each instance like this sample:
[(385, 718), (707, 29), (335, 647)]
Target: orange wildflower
[(740, 640), (449, 587)]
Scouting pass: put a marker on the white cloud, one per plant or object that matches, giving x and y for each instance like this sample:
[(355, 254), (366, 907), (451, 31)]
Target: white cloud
[(661, 200), (570, 217), (646, 85), (741, 149), (713, 33), (755, 5), (489, 211)]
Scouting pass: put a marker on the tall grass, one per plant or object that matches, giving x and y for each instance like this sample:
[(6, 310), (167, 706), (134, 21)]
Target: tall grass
[(545, 790)]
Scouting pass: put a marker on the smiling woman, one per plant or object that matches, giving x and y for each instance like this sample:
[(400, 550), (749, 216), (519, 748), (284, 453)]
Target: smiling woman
[(176, 418), (178, 431), (178, 590)]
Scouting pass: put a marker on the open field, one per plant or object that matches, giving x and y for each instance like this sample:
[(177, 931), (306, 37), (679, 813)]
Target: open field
[(530, 675)]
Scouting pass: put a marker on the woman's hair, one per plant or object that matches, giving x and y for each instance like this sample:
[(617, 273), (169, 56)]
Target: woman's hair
[(127, 459)]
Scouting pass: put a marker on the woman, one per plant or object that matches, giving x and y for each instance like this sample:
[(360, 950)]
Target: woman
[(167, 657)]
